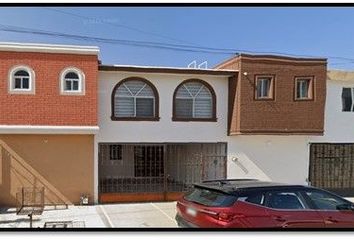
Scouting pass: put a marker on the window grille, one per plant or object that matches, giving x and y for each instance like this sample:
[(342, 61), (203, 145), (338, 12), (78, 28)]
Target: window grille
[(134, 98), (193, 100), (115, 152)]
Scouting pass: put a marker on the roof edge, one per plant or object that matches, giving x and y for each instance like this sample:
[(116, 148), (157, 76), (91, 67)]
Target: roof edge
[(340, 75), (271, 58), (153, 69), (49, 48), (47, 129)]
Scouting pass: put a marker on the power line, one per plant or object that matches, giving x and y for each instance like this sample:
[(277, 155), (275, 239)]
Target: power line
[(16, 29), (117, 25), (159, 45), (179, 40)]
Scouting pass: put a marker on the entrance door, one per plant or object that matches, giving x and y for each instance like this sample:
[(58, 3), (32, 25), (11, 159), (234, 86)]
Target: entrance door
[(332, 167), (156, 172)]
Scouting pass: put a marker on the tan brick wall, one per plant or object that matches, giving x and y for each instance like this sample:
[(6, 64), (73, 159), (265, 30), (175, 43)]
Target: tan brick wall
[(47, 106)]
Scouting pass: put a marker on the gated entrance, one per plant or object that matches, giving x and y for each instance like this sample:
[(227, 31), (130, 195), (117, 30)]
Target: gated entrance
[(156, 172), (332, 167)]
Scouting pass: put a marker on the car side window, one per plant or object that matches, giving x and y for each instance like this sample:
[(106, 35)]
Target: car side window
[(284, 200), (253, 197), (323, 200)]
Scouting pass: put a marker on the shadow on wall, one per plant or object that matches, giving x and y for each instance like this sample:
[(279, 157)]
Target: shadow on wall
[(16, 173), (243, 167)]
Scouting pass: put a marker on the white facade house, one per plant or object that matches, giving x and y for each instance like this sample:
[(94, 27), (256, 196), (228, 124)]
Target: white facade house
[(266, 157), (338, 127), (164, 130)]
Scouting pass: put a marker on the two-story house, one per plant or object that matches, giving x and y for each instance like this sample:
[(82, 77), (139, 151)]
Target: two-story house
[(161, 129), (331, 156), (48, 118)]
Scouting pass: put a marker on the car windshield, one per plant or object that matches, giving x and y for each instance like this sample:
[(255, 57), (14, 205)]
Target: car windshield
[(210, 198)]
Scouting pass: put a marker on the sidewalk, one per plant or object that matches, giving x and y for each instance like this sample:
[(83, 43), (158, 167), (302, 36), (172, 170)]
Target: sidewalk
[(112, 215)]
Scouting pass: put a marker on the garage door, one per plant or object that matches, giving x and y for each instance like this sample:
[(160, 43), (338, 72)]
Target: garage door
[(156, 172), (332, 166)]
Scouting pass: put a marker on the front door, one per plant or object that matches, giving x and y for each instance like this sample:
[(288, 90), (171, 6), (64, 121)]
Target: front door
[(332, 167), (156, 172)]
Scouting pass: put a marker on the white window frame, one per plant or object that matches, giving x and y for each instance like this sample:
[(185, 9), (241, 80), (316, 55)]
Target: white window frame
[(302, 94), (352, 96), (262, 85), (81, 75), (310, 88), (259, 82), (11, 80)]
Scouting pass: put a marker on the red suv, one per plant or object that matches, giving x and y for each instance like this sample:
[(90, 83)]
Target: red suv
[(248, 203)]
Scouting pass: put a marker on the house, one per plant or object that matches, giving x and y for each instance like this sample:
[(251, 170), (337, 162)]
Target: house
[(119, 133), (48, 118), (161, 129), (331, 156)]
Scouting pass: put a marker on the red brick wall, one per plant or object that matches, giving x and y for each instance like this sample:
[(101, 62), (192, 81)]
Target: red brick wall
[(283, 115), (47, 106)]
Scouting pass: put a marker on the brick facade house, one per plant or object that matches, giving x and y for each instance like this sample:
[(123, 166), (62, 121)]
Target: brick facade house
[(48, 117)]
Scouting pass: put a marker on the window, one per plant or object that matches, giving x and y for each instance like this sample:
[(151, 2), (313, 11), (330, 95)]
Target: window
[(115, 152), (347, 100), (304, 88), (149, 161), (264, 87), (284, 200), (194, 100), (134, 99), (21, 80), (325, 201), (253, 197), (210, 198), (72, 82)]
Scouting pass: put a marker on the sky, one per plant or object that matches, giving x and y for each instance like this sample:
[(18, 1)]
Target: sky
[(312, 31)]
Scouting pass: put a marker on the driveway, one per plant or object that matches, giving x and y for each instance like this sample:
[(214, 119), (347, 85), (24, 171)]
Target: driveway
[(138, 215)]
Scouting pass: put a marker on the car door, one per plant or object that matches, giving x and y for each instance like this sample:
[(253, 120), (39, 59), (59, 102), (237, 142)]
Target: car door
[(329, 207), (250, 205), (288, 209)]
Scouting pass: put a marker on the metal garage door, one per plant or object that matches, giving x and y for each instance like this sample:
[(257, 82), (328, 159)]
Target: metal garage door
[(148, 172), (332, 166)]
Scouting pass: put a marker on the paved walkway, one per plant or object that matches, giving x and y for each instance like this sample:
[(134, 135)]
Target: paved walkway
[(111, 215), (138, 215)]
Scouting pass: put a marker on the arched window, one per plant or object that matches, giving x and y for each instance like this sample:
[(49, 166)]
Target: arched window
[(134, 99), (194, 100), (72, 81), (21, 80)]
